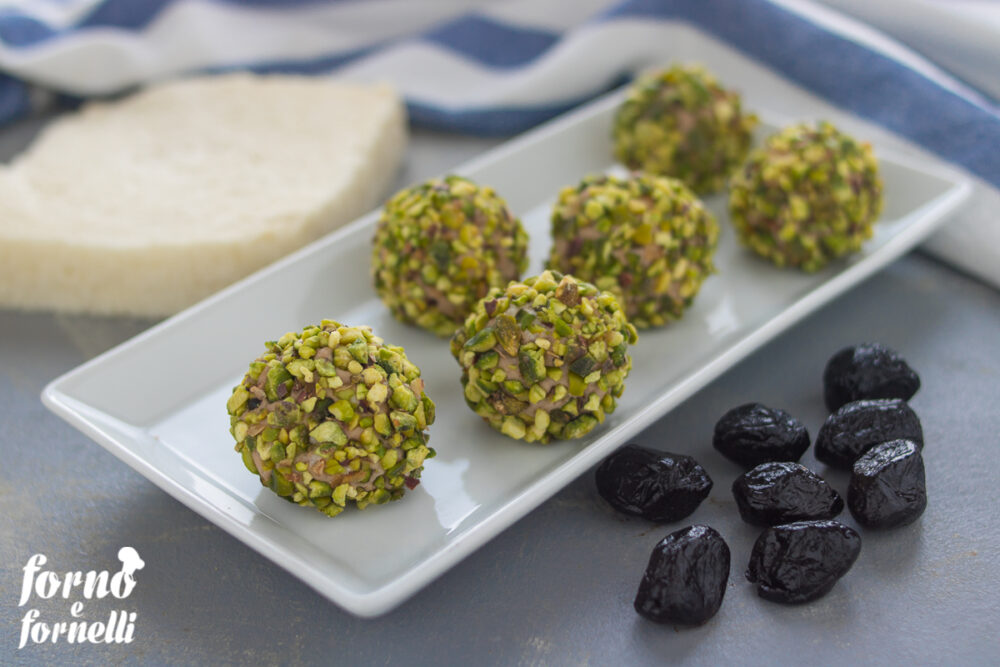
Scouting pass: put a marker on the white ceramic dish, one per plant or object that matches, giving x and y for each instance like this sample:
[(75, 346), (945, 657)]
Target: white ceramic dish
[(158, 401)]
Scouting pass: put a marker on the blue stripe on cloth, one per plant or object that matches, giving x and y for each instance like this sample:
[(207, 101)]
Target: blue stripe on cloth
[(845, 72), (20, 29), (135, 14), (14, 101), (316, 65), (490, 42), (495, 121), (23, 29)]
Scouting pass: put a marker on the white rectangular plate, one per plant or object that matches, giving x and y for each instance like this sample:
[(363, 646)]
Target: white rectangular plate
[(158, 401)]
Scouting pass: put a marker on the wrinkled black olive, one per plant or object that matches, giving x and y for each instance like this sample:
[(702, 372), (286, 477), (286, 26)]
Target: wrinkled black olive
[(857, 427), (658, 486), (783, 492), (685, 580), (801, 561), (869, 370), (753, 433), (887, 485)]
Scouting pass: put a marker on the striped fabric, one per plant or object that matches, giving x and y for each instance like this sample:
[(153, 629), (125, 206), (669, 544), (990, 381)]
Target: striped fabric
[(491, 68)]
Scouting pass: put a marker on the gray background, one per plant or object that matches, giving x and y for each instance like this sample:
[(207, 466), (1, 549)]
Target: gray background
[(556, 588)]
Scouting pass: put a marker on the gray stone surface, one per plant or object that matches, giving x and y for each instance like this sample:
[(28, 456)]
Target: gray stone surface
[(557, 587)]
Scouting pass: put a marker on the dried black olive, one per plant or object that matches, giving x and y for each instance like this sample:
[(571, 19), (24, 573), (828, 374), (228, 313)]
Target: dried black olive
[(783, 492), (753, 433), (685, 580), (869, 370), (801, 561), (658, 486), (857, 427), (887, 485)]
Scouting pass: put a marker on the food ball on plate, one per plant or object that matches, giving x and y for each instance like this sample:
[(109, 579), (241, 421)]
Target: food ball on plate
[(333, 416), (810, 195), (544, 358), (440, 246), (680, 122), (646, 238)]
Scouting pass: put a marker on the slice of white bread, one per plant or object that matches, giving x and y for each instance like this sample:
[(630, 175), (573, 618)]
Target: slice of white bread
[(145, 205)]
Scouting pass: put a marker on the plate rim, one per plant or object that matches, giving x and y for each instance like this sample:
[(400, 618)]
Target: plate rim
[(396, 590)]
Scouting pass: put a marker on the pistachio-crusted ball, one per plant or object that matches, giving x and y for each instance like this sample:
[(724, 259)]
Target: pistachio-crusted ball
[(440, 246), (680, 122), (545, 358), (333, 416), (808, 196), (646, 238)]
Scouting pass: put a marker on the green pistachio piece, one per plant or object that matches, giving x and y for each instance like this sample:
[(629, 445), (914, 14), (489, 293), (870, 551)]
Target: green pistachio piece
[(256, 368), (513, 427), (512, 406), (328, 431), (332, 510), (339, 494), (280, 485), (359, 350), (382, 424), (525, 318), (579, 427), (513, 387), (299, 368), (562, 327), (248, 460), (379, 496), (583, 365), (482, 341), (276, 376), (237, 400), (487, 360), (403, 421), (342, 410), (240, 430), (532, 366), (325, 368), (403, 398), (319, 489), (389, 459), (508, 334)]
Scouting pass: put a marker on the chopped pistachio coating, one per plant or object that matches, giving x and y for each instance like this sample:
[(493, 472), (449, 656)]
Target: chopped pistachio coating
[(333, 416), (545, 358), (440, 246), (680, 122), (646, 238), (809, 195)]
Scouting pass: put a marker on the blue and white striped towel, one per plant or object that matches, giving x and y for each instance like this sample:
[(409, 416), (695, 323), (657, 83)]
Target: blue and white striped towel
[(501, 67)]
